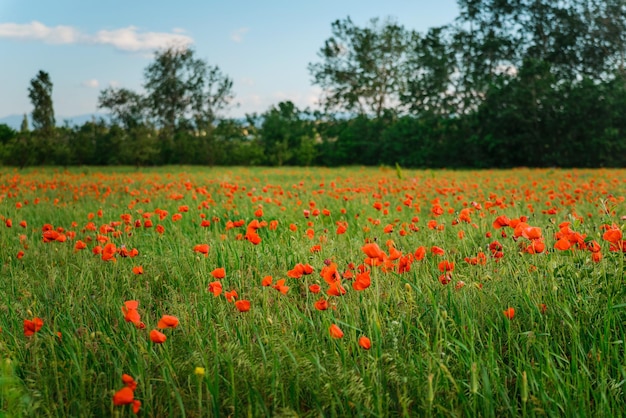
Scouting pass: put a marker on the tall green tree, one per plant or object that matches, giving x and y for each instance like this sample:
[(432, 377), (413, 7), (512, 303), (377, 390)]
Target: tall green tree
[(40, 94), (362, 69), (44, 134), (185, 96), (24, 128), (431, 66), (576, 38), (184, 91)]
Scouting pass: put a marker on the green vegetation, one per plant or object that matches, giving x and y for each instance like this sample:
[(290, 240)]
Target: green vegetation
[(441, 343)]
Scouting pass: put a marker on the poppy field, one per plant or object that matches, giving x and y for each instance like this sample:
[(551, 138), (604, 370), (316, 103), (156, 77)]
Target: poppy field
[(312, 292)]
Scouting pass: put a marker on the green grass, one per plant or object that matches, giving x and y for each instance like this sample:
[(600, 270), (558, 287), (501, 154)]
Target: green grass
[(436, 350)]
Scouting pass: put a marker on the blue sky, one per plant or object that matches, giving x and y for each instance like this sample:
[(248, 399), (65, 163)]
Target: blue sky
[(264, 47)]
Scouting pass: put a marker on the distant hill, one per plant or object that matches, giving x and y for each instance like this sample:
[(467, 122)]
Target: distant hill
[(15, 121)]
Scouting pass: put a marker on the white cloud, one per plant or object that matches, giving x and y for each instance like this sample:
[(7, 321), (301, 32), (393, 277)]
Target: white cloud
[(125, 39), (93, 83), (39, 32), (238, 34), (129, 39), (114, 83)]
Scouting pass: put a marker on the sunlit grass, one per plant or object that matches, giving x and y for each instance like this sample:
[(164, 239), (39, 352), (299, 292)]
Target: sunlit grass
[(436, 349)]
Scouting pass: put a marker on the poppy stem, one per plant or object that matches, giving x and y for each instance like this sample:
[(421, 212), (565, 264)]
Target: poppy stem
[(200, 397)]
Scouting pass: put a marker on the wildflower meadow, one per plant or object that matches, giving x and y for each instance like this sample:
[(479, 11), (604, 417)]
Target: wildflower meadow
[(189, 291)]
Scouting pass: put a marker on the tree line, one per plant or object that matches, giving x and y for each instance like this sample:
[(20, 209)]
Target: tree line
[(508, 83)]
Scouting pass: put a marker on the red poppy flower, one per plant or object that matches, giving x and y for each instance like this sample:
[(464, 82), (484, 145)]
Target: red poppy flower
[(437, 250), (129, 381), (157, 337), (362, 281), (593, 246), (501, 221), (231, 296), (168, 321), (596, 257), (336, 289), (321, 304), (420, 253), (215, 288), (342, 227), (445, 266), (32, 326), (108, 252), (315, 288), (613, 235), (372, 250), (335, 331), (242, 305), (50, 235), (219, 273), (202, 249), (253, 237), (136, 406), (296, 272), (509, 313), (365, 343), (280, 286), (536, 247), (531, 233), (562, 244), (131, 314), (445, 278), (124, 396)]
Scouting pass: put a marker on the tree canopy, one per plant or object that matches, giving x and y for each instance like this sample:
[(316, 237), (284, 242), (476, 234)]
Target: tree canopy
[(507, 83)]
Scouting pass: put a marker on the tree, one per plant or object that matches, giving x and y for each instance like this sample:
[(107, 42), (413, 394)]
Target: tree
[(6, 133), (430, 69), (17, 147), (184, 99), (24, 128), (184, 91), (128, 109), (577, 38), (287, 137), (125, 106), (362, 69), (40, 94), (525, 67)]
